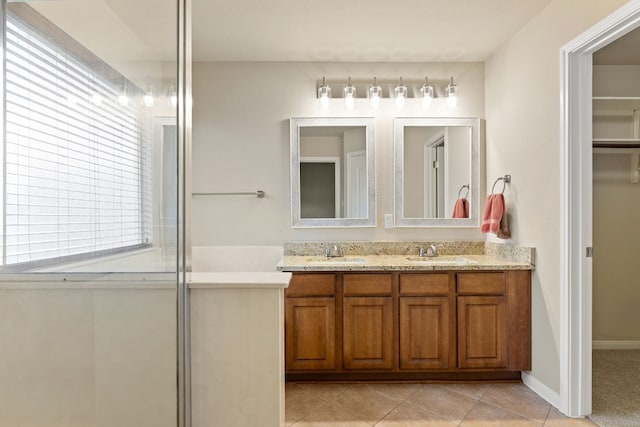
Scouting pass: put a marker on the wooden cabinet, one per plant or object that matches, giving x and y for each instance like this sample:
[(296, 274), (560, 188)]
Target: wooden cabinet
[(482, 332), (408, 325), (310, 323), (367, 321), (426, 310)]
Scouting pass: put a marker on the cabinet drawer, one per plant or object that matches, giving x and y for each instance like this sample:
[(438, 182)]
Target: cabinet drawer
[(311, 285), (424, 284), (482, 283), (367, 284)]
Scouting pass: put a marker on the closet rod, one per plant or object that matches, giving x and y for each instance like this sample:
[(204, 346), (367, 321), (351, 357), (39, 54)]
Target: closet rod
[(614, 145)]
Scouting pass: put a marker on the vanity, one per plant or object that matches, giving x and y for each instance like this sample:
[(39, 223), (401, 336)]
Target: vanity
[(402, 317), (378, 310)]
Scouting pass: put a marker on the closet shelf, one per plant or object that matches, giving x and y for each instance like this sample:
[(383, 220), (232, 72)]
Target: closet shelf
[(615, 105)]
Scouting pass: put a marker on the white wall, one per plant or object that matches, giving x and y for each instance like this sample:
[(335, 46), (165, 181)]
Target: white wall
[(522, 138), (241, 117)]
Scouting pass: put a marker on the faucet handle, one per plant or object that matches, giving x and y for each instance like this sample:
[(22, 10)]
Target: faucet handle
[(327, 252), (421, 252)]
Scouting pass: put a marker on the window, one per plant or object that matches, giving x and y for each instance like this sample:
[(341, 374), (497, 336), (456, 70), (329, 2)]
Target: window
[(73, 161)]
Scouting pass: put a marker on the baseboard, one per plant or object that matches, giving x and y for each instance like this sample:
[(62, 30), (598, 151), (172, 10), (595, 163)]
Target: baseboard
[(616, 345), (541, 390)]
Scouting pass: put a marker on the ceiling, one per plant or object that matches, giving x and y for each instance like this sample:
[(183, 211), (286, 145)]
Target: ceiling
[(356, 30)]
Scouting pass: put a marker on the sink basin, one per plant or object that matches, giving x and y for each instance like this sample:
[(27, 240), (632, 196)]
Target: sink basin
[(337, 260), (458, 260)]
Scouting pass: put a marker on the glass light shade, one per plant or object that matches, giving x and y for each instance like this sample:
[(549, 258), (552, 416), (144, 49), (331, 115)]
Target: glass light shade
[(375, 94), (349, 96), (173, 96), (426, 92), (452, 95), (400, 93), (148, 100), (324, 94)]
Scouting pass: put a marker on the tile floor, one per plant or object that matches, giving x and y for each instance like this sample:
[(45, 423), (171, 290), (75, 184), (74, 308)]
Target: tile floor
[(420, 405)]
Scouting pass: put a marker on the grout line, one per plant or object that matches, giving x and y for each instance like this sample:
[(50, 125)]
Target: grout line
[(520, 415), (468, 412)]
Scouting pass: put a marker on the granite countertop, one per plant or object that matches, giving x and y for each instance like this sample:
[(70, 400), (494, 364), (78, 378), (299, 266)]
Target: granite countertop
[(399, 263)]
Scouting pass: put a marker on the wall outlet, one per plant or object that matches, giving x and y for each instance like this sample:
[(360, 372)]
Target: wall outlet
[(388, 220)]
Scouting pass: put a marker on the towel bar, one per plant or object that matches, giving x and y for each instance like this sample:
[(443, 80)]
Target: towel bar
[(505, 180)]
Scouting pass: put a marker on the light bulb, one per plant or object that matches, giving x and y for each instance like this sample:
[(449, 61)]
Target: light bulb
[(173, 96), (452, 94), (147, 98), (375, 94), (349, 95), (401, 94), (324, 94), (426, 92)]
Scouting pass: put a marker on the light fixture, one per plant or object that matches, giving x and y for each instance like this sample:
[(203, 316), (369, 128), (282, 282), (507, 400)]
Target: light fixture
[(426, 93), (147, 98), (173, 96), (400, 93), (123, 99), (324, 94), (452, 94), (349, 95), (375, 93)]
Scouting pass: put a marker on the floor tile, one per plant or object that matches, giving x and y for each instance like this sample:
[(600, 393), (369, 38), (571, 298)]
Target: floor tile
[(325, 391), (299, 403), (329, 415), (366, 403), (396, 390), (483, 415), (410, 415), (558, 419), (441, 401), (475, 391), (519, 399)]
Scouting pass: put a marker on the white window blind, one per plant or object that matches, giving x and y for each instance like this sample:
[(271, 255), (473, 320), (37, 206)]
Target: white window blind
[(73, 165)]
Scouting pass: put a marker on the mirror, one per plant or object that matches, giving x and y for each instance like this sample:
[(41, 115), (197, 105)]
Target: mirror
[(332, 172), (437, 172)]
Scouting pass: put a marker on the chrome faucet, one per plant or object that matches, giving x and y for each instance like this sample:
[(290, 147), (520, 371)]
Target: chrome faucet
[(332, 251), (430, 251)]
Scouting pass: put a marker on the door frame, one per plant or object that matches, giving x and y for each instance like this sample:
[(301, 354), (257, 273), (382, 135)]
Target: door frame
[(576, 204), (347, 178)]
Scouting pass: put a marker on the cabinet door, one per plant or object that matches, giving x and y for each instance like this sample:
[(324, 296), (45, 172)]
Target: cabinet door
[(310, 333), (482, 332), (368, 333), (424, 332)]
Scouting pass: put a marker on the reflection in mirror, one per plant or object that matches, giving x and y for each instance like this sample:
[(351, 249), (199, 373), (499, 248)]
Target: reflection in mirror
[(332, 172), (437, 172)]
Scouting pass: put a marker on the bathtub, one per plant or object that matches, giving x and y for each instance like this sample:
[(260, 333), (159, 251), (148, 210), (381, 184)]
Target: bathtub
[(106, 340), (237, 336)]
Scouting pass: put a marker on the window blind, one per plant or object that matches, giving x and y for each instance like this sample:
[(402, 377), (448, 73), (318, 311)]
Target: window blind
[(73, 156)]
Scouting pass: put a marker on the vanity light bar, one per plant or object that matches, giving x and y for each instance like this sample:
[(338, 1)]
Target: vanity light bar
[(399, 89)]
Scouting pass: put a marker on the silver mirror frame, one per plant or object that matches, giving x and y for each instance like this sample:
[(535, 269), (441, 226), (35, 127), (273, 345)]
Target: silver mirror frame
[(474, 194), (295, 125)]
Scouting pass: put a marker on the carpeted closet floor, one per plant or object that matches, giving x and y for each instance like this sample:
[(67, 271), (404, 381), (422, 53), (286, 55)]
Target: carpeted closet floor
[(616, 388)]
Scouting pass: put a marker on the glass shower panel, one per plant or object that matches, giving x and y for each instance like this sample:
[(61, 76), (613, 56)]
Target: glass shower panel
[(89, 250)]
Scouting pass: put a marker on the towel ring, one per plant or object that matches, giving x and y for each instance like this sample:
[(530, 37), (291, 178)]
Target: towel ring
[(462, 188), (505, 180)]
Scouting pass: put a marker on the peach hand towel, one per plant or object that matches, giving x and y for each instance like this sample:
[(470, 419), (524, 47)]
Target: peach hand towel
[(461, 209), (493, 211)]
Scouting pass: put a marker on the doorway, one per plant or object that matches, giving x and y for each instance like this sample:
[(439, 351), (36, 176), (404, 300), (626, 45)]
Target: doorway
[(577, 206)]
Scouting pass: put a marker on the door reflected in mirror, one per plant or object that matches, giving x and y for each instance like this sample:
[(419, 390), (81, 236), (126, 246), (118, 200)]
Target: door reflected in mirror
[(437, 171), (332, 172)]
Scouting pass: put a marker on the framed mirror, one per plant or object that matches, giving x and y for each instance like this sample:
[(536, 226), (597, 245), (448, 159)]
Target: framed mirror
[(333, 172), (437, 172)]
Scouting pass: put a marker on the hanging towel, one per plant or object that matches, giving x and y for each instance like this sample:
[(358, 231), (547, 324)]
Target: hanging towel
[(504, 232), (493, 211), (461, 208)]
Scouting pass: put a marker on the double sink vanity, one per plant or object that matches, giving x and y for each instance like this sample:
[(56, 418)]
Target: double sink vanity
[(381, 312)]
